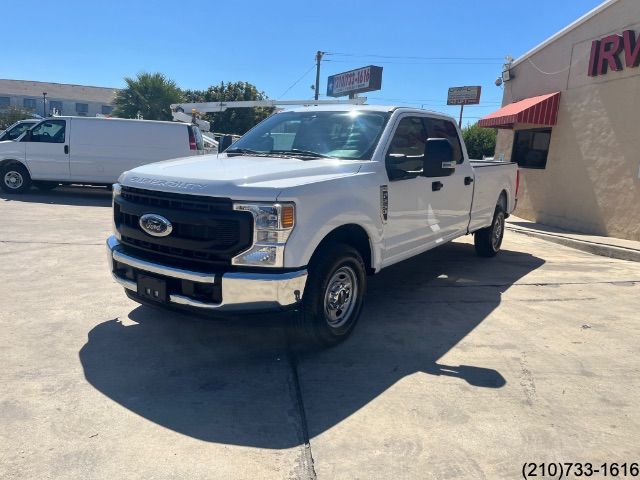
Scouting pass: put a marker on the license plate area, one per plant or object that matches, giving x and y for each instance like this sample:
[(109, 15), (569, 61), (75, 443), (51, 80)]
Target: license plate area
[(152, 288)]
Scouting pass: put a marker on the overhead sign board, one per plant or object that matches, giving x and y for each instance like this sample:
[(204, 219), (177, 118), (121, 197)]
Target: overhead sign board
[(365, 79), (464, 95)]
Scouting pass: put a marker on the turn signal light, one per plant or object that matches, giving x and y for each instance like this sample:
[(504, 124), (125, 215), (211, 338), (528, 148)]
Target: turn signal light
[(287, 216)]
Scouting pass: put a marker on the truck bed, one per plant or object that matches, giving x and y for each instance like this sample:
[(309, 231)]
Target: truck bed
[(490, 178)]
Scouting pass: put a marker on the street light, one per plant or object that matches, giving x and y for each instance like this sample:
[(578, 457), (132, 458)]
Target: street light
[(44, 104)]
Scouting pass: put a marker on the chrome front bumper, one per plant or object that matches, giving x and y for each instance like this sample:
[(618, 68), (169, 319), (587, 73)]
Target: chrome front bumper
[(240, 291)]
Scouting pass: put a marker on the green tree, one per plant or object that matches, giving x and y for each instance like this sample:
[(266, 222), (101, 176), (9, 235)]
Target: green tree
[(480, 141), (12, 114), (232, 120), (149, 94)]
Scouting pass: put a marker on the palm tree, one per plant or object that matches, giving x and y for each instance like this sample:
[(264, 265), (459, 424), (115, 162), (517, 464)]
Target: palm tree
[(149, 95)]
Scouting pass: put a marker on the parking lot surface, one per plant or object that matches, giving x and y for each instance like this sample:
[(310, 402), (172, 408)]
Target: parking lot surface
[(460, 367)]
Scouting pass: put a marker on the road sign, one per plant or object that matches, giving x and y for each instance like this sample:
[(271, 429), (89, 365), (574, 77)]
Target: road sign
[(464, 95), (365, 79)]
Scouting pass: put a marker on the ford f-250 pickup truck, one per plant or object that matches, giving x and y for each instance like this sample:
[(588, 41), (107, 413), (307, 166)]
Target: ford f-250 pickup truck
[(300, 210)]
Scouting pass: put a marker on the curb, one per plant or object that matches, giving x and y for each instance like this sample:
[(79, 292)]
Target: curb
[(604, 250)]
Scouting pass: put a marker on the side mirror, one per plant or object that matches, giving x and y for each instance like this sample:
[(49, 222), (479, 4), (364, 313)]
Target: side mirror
[(224, 143), (438, 158)]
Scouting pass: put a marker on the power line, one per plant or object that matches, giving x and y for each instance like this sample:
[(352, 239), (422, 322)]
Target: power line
[(392, 62), (297, 81), (405, 57)]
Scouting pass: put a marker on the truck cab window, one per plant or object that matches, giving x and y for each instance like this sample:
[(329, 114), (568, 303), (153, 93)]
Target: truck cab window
[(50, 131), (406, 151), (439, 128)]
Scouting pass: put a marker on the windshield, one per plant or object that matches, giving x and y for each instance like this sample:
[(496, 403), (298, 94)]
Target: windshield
[(18, 129), (346, 135)]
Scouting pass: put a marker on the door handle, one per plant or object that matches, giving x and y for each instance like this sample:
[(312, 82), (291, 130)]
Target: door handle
[(468, 180), (435, 186), (66, 149)]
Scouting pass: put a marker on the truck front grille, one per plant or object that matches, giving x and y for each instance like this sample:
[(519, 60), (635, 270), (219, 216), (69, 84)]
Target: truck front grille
[(207, 232)]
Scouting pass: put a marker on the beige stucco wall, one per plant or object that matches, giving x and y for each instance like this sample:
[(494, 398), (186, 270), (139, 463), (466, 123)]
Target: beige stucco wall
[(592, 179)]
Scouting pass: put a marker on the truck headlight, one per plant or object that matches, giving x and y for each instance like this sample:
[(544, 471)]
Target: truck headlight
[(116, 190), (272, 225)]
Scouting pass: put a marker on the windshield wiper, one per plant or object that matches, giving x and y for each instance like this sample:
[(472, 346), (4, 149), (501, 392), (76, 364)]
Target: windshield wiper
[(299, 152), (244, 151)]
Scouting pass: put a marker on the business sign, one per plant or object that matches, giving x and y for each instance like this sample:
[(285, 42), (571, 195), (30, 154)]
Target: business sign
[(365, 79), (606, 53), (464, 95)]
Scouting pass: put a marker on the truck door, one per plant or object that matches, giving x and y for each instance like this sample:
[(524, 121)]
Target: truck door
[(452, 201), (407, 231), (47, 150)]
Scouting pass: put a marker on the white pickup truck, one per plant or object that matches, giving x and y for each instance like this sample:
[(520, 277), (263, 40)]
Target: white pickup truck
[(299, 211)]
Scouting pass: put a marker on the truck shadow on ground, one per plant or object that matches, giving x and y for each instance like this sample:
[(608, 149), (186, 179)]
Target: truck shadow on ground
[(63, 195), (232, 381)]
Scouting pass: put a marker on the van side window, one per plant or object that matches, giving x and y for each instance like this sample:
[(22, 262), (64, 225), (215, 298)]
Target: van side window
[(49, 131), (439, 128), (406, 152)]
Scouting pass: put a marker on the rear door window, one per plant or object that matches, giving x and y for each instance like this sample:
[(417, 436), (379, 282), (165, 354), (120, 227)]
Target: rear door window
[(441, 128)]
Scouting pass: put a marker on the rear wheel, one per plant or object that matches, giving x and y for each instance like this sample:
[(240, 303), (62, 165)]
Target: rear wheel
[(14, 178), (489, 240), (333, 297), (44, 185)]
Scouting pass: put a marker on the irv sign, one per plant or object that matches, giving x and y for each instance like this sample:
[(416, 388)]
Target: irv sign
[(606, 53)]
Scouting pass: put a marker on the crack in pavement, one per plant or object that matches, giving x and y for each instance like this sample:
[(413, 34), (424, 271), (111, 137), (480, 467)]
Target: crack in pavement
[(306, 459)]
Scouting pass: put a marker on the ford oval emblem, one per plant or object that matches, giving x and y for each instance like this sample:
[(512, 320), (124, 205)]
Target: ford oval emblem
[(155, 225)]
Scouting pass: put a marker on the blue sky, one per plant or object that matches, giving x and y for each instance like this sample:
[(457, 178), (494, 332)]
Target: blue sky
[(273, 43)]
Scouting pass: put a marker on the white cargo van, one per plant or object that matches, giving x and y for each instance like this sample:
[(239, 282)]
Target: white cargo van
[(90, 150)]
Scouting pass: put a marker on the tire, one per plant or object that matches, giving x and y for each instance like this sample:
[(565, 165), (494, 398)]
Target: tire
[(44, 185), (489, 240), (14, 178), (333, 296)]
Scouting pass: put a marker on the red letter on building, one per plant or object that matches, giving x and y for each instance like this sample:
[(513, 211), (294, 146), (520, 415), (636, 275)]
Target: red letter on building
[(631, 49), (593, 58), (609, 56)]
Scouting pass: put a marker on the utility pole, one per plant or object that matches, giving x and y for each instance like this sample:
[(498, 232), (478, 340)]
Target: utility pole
[(319, 55)]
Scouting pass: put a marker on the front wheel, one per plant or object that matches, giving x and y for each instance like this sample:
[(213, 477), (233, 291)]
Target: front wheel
[(14, 178), (488, 240), (333, 297)]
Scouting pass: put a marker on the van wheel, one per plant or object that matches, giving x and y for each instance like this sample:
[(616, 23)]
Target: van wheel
[(488, 240), (333, 297), (14, 178), (44, 185)]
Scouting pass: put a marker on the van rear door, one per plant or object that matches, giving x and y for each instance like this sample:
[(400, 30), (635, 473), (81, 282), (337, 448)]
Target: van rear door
[(47, 150)]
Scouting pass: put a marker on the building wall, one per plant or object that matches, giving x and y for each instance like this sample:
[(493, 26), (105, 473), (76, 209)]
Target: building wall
[(592, 178), (66, 96)]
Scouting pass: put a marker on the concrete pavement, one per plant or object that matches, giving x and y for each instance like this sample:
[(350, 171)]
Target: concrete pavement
[(461, 367), (598, 245)]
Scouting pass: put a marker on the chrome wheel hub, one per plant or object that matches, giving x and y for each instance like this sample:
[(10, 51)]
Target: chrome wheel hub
[(340, 296), (13, 180)]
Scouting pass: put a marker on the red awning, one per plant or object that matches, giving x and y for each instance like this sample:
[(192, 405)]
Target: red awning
[(542, 110)]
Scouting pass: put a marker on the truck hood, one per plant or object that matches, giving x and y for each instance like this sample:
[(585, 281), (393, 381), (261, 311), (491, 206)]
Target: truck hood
[(237, 176)]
